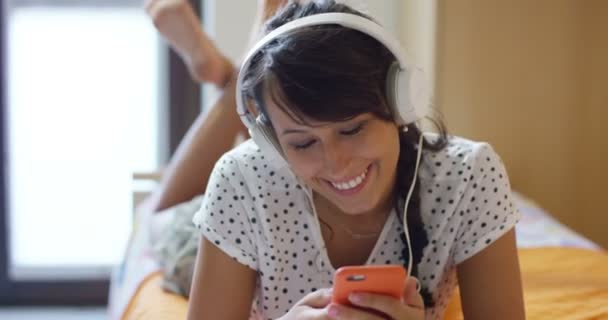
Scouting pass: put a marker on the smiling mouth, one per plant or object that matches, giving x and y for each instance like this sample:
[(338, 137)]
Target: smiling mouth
[(351, 185)]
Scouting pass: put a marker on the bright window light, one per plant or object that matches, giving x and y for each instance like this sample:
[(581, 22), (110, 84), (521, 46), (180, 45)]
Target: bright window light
[(82, 117)]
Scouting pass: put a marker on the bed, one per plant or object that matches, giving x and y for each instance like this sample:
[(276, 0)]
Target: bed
[(565, 275)]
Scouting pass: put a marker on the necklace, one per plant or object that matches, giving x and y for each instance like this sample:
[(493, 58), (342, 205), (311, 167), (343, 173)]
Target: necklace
[(357, 235), (351, 233)]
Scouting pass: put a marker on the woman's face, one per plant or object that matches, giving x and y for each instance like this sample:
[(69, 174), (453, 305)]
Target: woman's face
[(351, 163)]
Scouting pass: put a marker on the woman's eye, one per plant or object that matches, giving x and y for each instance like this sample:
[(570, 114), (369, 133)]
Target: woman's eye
[(305, 145), (353, 131)]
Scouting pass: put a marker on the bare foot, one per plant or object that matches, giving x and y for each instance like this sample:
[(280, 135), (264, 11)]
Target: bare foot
[(180, 26), (266, 9)]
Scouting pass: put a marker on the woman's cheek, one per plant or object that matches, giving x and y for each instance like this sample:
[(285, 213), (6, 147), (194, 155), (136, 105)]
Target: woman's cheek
[(305, 166)]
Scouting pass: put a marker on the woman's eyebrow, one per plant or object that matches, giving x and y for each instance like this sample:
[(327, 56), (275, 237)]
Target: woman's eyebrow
[(347, 122), (288, 131)]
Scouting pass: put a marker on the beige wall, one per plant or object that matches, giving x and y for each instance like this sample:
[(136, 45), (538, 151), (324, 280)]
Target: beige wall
[(593, 148), (531, 78), (417, 31)]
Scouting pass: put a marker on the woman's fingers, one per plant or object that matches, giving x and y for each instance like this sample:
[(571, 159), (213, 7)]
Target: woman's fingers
[(383, 303), (317, 299), (336, 311), (410, 307), (312, 306), (411, 295)]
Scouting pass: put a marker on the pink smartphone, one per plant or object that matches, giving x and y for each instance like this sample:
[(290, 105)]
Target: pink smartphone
[(381, 279)]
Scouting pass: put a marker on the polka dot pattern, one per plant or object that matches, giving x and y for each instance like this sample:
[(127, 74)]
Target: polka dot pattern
[(260, 215)]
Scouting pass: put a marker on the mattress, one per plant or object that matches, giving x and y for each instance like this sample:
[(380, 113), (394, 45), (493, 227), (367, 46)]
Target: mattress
[(574, 287), (559, 283)]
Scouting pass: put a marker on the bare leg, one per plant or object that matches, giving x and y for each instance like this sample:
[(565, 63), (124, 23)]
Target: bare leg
[(188, 171)]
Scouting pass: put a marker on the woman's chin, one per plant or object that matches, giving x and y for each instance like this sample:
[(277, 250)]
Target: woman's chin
[(354, 207)]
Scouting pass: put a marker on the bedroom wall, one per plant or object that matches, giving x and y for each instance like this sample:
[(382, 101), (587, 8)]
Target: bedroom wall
[(529, 77), (417, 27), (593, 146)]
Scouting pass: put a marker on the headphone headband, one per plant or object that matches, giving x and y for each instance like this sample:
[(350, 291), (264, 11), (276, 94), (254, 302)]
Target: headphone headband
[(347, 20), (406, 87)]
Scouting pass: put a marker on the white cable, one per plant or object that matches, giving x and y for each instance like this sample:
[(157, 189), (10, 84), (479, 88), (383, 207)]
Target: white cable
[(407, 201)]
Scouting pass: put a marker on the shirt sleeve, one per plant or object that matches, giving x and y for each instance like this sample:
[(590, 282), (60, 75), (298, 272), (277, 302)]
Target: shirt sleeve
[(223, 219), (486, 210)]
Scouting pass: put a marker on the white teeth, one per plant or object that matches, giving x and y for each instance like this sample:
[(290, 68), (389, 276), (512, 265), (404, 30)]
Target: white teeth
[(350, 184)]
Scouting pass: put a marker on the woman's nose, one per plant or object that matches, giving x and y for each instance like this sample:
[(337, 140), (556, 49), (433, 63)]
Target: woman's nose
[(336, 158)]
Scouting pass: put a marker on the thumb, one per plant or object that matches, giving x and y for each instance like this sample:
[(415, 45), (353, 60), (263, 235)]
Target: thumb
[(411, 296), (317, 299)]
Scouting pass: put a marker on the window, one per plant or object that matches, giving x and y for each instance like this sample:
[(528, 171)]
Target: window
[(85, 87)]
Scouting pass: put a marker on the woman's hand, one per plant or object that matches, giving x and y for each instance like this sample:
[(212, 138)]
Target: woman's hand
[(312, 307), (381, 306)]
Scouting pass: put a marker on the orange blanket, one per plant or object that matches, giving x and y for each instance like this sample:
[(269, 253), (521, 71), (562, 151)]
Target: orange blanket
[(151, 302), (559, 283)]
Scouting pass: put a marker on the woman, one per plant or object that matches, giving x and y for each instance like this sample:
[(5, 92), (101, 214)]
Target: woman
[(274, 232)]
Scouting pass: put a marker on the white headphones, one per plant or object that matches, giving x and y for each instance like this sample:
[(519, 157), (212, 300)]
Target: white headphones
[(407, 90)]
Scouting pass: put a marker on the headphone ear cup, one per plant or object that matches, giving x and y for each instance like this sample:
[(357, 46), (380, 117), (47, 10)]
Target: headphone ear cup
[(420, 92), (392, 91), (407, 92), (263, 135)]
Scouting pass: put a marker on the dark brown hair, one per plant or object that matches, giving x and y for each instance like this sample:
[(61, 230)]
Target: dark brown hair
[(330, 73)]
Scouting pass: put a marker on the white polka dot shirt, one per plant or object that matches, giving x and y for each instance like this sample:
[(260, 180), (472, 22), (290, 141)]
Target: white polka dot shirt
[(259, 214)]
